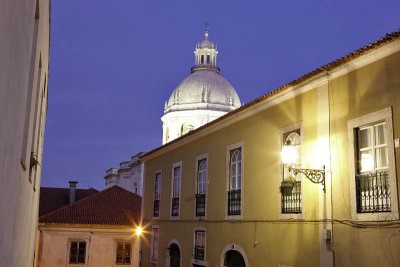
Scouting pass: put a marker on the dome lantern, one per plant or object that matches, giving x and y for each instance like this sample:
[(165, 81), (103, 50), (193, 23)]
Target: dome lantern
[(205, 55)]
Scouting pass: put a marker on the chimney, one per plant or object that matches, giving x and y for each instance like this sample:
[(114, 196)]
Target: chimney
[(72, 191)]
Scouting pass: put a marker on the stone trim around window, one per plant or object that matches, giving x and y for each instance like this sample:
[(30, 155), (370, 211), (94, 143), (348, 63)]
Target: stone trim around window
[(383, 115), (194, 261), (281, 132), (198, 159), (153, 259), (175, 165), (124, 243), (154, 188), (227, 168), (70, 241)]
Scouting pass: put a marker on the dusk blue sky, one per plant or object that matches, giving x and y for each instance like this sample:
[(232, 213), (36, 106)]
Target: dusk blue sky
[(113, 64)]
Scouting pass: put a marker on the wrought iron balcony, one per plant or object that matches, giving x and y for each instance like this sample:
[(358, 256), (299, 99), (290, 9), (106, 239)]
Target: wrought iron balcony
[(291, 203), (156, 210), (200, 205), (373, 192), (175, 206), (199, 253), (234, 202)]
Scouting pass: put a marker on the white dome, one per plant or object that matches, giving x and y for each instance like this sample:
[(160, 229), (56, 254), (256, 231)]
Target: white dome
[(203, 89)]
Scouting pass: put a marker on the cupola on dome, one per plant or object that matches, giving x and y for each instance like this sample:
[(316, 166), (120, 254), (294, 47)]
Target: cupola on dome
[(200, 98)]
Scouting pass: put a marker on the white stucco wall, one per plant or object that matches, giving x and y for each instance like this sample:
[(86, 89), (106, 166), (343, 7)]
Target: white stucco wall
[(174, 120), (101, 246), (130, 178), (22, 84)]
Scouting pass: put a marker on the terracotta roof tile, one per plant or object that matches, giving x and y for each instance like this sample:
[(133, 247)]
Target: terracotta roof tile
[(112, 206), (328, 67), (52, 198)]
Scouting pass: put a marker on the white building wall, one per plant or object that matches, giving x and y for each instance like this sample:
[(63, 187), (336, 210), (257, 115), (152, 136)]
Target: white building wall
[(101, 246), (23, 83), (130, 178), (174, 120)]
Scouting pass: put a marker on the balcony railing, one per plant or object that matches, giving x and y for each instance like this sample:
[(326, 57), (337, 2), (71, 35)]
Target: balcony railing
[(373, 192), (199, 253), (292, 203), (175, 206), (200, 205), (234, 202), (156, 210)]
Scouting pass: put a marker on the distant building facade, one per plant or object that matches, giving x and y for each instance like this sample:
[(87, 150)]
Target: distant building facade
[(96, 230), (128, 176), (218, 197), (24, 74)]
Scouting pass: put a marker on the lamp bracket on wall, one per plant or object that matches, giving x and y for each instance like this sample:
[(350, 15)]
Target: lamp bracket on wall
[(314, 175)]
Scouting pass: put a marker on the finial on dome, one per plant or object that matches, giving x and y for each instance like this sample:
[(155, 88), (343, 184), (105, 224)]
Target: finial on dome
[(206, 34)]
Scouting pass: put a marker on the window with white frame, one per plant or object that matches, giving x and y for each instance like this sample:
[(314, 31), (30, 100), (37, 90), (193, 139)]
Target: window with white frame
[(176, 183), (199, 244), (154, 243), (235, 181), (77, 252), (291, 202), (201, 187), (157, 193), (373, 185), (124, 251)]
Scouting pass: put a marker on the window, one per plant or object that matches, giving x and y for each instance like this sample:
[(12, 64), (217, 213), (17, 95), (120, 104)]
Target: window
[(372, 187), (123, 253), (154, 244), (77, 252), (234, 179), (157, 192), (372, 167), (292, 203), (208, 59), (176, 183), (186, 127), (201, 187), (199, 244), (291, 206), (202, 59)]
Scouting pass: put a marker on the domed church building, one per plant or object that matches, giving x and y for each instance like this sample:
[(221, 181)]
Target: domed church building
[(200, 98)]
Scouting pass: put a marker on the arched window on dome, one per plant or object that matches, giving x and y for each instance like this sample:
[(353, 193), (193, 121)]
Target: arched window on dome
[(202, 59), (186, 127)]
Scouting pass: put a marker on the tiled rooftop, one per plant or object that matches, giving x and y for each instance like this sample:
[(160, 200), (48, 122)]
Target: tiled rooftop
[(112, 206), (52, 198)]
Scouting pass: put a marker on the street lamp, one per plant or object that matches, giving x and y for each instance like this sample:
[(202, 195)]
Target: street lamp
[(139, 230), (289, 157)]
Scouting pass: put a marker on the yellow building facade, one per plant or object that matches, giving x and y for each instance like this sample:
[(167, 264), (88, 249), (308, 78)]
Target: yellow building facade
[(213, 197)]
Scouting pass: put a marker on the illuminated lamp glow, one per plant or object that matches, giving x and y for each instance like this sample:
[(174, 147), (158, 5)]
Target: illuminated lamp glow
[(289, 153)]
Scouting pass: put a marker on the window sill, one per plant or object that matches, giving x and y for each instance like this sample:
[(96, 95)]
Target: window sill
[(288, 216), (199, 262), (375, 217), (234, 217)]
